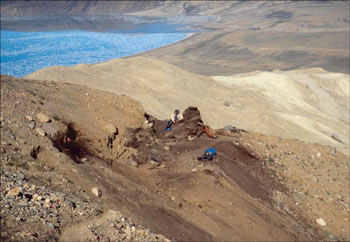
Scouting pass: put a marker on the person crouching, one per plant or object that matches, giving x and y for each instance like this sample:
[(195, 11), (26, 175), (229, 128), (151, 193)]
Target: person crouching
[(175, 118)]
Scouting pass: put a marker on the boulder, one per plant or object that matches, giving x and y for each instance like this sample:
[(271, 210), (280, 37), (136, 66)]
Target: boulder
[(111, 128), (320, 222), (40, 132), (50, 129), (97, 192), (29, 118), (43, 118), (14, 191)]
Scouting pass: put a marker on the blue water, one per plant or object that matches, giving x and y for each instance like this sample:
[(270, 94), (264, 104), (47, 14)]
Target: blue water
[(25, 52)]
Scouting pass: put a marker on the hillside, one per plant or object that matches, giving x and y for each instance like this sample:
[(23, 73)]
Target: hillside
[(262, 35), (310, 105), (257, 186)]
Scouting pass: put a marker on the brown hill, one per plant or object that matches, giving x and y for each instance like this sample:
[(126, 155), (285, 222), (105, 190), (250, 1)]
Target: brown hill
[(247, 36), (27, 8), (310, 105), (256, 187)]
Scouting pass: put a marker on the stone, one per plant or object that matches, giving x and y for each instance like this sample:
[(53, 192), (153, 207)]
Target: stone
[(227, 103), (228, 127), (51, 225), (166, 148), (319, 155), (321, 222), (29, 118), (133, 163), (128, 232), (40, 132), (96, 191), (111, 129), (43, 118), (69, 203), (20, 176), (14, 191), (31, 125), (153, 162), (50, 129)]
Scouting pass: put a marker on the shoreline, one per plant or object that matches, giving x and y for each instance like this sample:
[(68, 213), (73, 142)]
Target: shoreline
[(61, 59)]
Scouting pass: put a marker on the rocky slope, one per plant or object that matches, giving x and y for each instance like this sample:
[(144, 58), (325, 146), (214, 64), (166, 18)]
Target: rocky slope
[(311, 104), (55, 149)]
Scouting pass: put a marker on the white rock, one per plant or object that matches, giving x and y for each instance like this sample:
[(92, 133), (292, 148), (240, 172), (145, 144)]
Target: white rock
[(14, 191), (128, 232), (167, 148), (43, 118), (319, 154), (154, 162), (321, 222), (110, 128), (29, 118), (97, 192), (40, 131)]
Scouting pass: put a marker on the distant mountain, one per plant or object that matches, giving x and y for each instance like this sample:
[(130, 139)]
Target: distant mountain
[(18, 8), (11, 8)]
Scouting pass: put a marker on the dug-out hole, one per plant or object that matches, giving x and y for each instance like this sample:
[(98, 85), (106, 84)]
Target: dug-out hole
[(67, 142)]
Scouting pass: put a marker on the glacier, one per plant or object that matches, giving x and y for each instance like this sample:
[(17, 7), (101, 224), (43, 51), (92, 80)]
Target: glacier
[(25, 52)]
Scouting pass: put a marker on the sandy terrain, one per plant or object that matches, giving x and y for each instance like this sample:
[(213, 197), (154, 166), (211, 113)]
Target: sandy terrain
[(310, 105)]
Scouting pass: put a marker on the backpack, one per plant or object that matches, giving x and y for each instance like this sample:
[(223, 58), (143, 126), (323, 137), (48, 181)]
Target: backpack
[(208, 131), (211, 151)]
